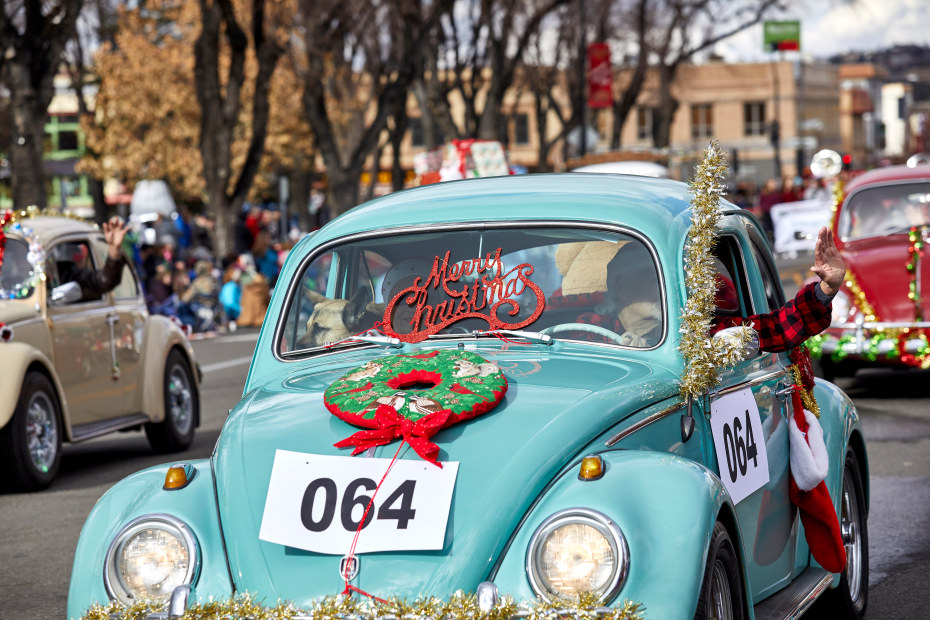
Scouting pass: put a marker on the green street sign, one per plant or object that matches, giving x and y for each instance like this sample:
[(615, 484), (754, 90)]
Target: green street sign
[(781, 35)]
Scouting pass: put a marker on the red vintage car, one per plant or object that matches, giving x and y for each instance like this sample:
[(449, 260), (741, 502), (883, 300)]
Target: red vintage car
[(880, 316)]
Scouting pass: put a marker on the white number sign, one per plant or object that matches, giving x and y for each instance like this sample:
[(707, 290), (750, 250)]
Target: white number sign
[(317, 502), (740, 444)]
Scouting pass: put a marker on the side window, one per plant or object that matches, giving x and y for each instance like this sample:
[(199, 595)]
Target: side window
[(69, 258), (774, 295), (732, 296), (127, 288)]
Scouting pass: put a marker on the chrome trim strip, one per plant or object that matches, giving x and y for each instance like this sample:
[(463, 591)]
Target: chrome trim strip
[(573, 514), (652, 417), (291, 356), (748, 384)]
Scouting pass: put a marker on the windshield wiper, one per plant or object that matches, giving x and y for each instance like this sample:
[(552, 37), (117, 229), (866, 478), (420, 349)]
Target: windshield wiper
[(385, 340), (535, 336)]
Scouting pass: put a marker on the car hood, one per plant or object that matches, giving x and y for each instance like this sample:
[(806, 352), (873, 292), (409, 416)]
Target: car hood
[(556, 404), (879, 265)]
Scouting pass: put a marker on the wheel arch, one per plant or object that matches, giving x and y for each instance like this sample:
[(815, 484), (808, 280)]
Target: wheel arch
[(19, 360), (161, 338)]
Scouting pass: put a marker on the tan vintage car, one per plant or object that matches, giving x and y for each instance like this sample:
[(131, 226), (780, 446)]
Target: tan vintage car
[(72, 369)]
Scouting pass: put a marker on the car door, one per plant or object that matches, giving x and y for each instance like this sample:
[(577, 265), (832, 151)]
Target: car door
[(126, 322), (753, 447), (81, 337)]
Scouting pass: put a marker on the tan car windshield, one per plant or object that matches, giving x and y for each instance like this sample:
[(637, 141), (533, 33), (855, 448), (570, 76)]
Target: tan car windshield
[(18, 276)]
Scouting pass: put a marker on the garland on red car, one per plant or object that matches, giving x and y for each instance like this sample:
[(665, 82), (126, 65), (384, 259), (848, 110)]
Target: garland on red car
[(412, 397), (901, 336)]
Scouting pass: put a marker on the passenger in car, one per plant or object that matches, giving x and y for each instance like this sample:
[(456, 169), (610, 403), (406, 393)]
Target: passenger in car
[(95, 283), (808, 313), (632, 309)]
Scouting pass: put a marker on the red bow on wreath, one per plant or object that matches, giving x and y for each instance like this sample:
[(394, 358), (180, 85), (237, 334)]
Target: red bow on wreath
[(392, 425)]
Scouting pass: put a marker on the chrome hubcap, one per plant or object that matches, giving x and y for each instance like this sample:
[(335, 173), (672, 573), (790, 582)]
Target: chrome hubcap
[(721, 601), (852, 538), (180, 406), (41, 431)]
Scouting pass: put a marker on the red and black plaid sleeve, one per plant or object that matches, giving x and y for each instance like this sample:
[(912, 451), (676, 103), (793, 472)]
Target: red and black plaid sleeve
[(788, 326)]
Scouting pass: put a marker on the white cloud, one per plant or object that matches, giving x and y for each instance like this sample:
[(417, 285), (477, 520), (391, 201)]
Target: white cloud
[(831, 28)]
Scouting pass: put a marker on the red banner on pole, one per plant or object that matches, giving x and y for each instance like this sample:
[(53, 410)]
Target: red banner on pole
[(600, 93)]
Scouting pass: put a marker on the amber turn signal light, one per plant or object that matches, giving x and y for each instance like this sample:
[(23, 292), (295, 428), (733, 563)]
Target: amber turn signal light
[(178, 476), (592, 467)]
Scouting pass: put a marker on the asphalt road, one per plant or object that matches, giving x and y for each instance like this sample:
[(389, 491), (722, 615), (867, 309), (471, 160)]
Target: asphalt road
[(39, 532)]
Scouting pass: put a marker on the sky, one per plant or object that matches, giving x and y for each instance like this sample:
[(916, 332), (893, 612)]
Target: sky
[(830, 27)]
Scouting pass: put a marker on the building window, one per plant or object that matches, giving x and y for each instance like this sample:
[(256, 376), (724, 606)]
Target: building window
[(702, 120), (644, 121), (754, 118), (521, 129), (67, 141)]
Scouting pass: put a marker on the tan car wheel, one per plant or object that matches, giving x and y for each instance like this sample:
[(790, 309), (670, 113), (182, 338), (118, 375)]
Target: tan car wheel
[(176, 431), (30, 443)]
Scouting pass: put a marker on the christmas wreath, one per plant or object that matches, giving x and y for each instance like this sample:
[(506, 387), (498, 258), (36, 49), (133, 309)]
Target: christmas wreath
[(413, 397)]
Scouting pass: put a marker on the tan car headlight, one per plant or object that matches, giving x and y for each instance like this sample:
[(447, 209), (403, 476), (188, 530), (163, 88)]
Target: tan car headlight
[(149, 558), (574, 551)]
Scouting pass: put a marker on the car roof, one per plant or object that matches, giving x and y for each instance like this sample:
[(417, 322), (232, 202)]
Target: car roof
[(889, 174), (649, 204), (48, 227)]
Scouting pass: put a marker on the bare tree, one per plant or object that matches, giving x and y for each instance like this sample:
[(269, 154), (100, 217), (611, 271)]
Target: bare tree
[(33, 36), (221, 104), (476, 58), (682, 28), (543, 73), (353, 80), (96, 24)]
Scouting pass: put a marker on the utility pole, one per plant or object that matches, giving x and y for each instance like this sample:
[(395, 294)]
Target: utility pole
[(775, 129), (582, 91)]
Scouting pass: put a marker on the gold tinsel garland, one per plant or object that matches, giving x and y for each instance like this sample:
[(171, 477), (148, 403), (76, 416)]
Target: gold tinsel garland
[(705, 356), (459, 607)]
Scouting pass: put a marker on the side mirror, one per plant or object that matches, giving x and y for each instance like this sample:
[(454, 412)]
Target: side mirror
[(800, 235), (67, 293), (743, 340)]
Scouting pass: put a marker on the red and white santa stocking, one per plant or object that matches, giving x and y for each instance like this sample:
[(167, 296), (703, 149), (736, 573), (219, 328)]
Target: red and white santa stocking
[(808, 491)]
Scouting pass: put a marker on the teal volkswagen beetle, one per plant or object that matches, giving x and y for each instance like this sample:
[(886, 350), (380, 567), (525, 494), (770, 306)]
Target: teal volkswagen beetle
[(474, 387)]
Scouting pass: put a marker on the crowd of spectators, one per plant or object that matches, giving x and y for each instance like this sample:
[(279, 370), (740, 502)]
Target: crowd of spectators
[(183, 278)]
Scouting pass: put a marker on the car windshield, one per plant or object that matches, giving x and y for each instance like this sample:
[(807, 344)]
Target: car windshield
[(573, 283), (885, 209), (18, 277)]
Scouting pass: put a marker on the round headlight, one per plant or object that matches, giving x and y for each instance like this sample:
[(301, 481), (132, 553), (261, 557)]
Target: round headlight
[(576, 551), (149, 558)]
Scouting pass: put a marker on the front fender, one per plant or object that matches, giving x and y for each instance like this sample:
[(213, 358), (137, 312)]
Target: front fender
[(161, 336), (842, 432), (142, 494), (665, 506), (17, 358)]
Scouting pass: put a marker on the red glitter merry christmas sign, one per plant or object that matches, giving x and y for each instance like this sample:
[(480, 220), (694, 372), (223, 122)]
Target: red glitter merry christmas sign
[(470, 289)]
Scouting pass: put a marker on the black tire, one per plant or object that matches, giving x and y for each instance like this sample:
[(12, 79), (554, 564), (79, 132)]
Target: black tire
[(722, 587), (30, 443), (176, 431), (851, 597)]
